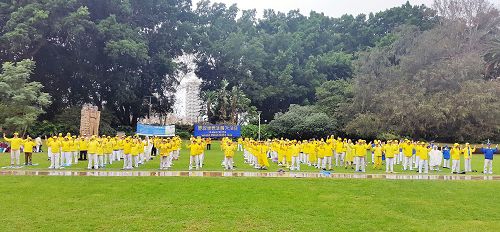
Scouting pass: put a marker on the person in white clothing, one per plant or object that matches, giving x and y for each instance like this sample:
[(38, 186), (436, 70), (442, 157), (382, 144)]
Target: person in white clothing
[(435, 158)]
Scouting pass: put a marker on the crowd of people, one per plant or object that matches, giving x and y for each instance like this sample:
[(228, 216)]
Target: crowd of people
[(98, 151), (324, 154)]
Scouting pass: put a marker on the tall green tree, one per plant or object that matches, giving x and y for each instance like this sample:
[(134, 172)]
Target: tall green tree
[(21, 100)]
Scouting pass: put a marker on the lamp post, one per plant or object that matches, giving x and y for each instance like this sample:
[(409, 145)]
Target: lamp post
[(260, 112)]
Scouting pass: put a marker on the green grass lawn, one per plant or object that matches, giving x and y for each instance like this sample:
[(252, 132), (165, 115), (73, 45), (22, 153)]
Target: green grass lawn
[(213, 160), (49, 203)]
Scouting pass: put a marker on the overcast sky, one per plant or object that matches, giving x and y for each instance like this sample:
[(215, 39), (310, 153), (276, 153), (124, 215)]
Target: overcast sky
[(334, 8)]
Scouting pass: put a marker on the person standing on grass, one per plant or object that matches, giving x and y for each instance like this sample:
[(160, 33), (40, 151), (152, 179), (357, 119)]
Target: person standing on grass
[(195, 151), (15, 148), (488, 152), (423, 158), (435, 157), (360, 149), (93, 146), (74, 149), (446, 156), (55, 146), (377, 154), (28, 150), (83, 146), (391, 150), (407, 147), (38, 143), (229, 150), (467, 152), (165, 148), (127, 153), (349, 154), (455, 158)]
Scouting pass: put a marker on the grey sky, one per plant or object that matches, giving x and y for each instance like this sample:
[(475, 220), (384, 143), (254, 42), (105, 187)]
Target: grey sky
[(334, 8)]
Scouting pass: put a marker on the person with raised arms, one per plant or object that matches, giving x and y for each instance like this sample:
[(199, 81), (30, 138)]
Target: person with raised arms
[(15, 148), (488, 152)]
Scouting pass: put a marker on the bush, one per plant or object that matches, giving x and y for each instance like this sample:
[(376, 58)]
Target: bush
[(252, 131)]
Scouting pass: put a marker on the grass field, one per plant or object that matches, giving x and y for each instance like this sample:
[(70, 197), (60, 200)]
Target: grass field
[(245, 204), (75, 203), (213, 159)]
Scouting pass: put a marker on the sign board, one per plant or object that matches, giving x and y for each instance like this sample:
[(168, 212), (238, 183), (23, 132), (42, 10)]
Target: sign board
[(217, 131), (160, 131)]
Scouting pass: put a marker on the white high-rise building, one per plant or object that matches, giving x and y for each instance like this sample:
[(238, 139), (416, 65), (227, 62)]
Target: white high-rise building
[(188, 104)]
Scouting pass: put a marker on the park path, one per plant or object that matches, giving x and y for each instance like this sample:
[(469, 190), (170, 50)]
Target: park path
[(245, 174)]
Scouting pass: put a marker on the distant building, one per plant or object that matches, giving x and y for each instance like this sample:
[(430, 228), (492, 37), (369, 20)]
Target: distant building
[(188, 105)]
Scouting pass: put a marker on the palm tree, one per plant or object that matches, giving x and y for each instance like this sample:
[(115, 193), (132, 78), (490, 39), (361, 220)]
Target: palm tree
[(492, 58)]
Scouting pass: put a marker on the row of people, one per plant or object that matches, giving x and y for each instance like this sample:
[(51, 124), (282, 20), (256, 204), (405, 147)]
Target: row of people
[(323, 154)]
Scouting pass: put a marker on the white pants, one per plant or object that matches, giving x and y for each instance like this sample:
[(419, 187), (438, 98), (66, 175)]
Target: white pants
[(200, 159), (468, 165), (68, 156), (93, 161), (54, 160), (38, 148), (407, 163), (296, 163), (101, 161), (342, 158), (360, 163), (337, 159), (423, 164), (240, 147), (446, 163), (417, 161), (389, 165), (327, 161), (228, 163), (488, 163), (455, 166), (117, 154), (14, 157), (373, 158), (193, 160), (75, 156), (49, 152), (165, 162), (127, 161), (136, 161), (111, 157)]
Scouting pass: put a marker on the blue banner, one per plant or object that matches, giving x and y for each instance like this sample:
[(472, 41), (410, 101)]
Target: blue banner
[(217, 131), (149, 130)]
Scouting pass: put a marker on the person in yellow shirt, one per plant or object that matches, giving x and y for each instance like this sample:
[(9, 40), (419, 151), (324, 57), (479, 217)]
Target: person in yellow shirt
[(28, 150), (15, 148), (83, 147), (455, 158), (360, 150), (55, 146), (339, 155), (229, 150), (391, 150), (74, 149), (377, 154), (195, 151), (262, 160), (93, 147), (127, 153), (137, 149), (407, 147), (423, 158), (66, 152), (295, 153), (467, 153), (165, 153)]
